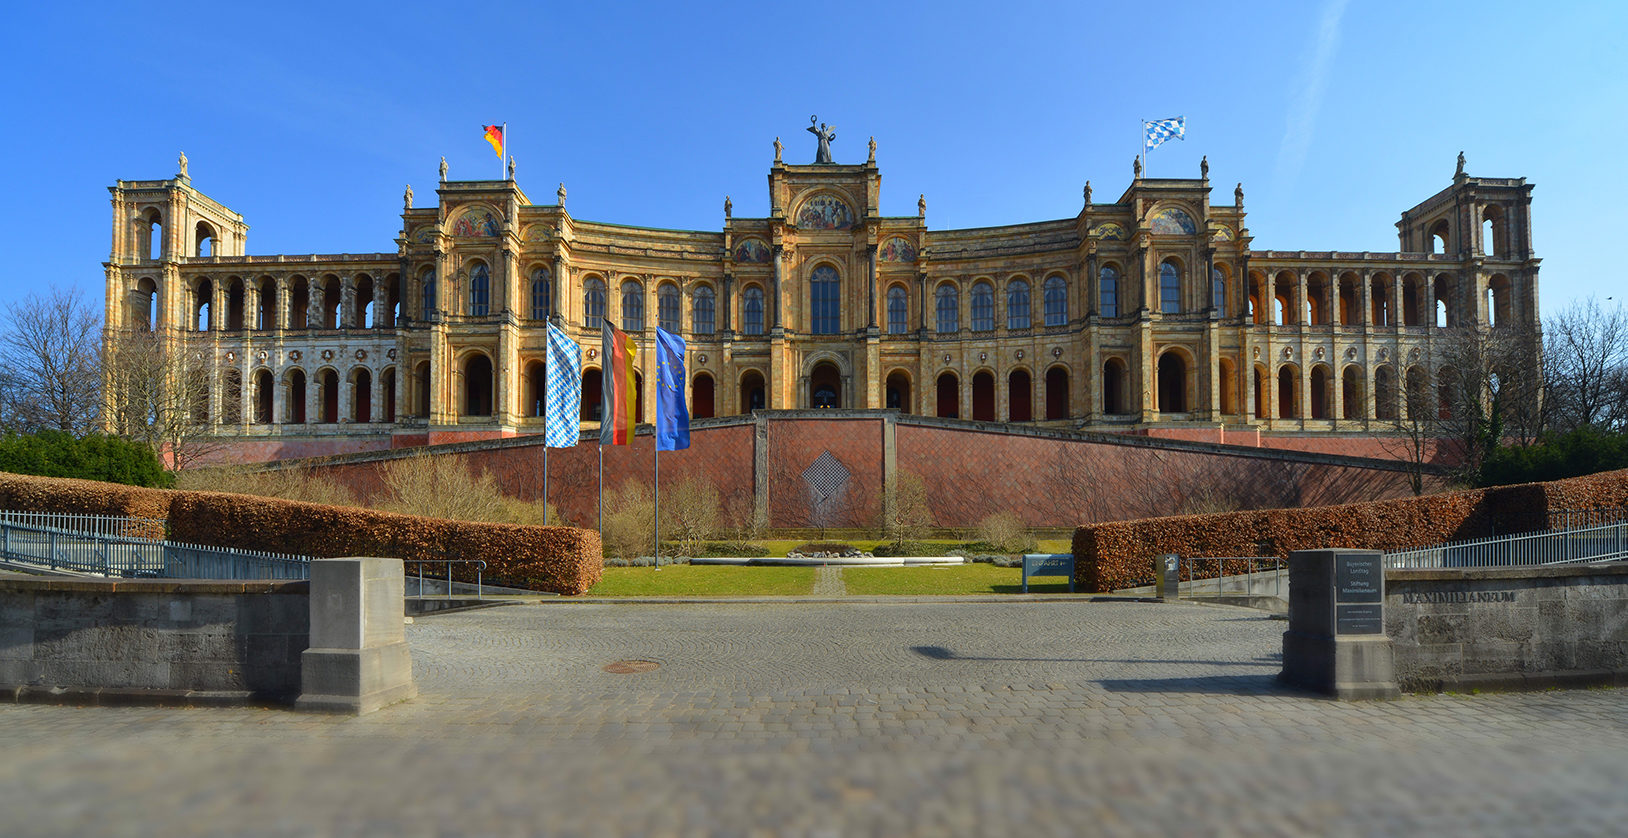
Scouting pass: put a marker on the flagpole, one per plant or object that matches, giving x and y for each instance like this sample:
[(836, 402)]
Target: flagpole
[(1142, 147), (503, 159), (655, 484), (545, 470), (602, 492)]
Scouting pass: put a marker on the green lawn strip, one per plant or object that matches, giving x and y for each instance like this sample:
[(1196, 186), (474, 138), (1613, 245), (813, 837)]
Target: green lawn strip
[(705, 580), (948, 580)]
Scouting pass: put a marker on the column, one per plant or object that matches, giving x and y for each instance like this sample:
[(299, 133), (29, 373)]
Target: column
[(313, 394), (921, 305), (870, 311), (381, 303), (559, 304), (279, 402), (1302, 306), (779, 273), (1366, 293), (347, 303), (725, 303), (313, 304), (1397, 307)]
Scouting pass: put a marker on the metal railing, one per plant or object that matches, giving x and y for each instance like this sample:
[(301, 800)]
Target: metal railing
[(1243, 575), (480, 567), (1571, 519), (115, 526), (1607, 542), (94, 551)]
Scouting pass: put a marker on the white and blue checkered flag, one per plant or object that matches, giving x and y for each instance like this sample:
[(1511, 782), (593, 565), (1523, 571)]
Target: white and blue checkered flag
[(562, 397), (1156, 132)]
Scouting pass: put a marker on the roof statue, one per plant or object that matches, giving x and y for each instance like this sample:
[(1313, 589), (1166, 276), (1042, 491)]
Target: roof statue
[(872, 158), (1455, 174), (826, 134), (729, 207), (777, 149), (407, 197), (183, 164), (1088, 192), (511, 167), (921, 206), (560, 194), (1136, 167), (1238, 194), (443, 169), (1204, 167)]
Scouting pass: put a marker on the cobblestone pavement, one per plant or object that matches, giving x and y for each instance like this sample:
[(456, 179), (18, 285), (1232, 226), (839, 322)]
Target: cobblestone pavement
[(828, 582), (835, 719)]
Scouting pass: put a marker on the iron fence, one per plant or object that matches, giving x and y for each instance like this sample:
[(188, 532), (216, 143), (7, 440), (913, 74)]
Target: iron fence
[(97, 550), (436, 584), (114, 526), (1237, 574), (1606, 542)]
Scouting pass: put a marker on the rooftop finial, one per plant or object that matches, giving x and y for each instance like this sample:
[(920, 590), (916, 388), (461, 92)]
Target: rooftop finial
[(826, 134)]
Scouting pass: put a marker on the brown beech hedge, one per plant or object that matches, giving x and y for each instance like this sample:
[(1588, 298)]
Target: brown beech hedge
[(562, 560), (1119, 554)]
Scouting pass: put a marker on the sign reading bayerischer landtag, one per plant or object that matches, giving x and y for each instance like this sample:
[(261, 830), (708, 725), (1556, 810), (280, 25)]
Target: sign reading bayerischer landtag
[(1359, 593)]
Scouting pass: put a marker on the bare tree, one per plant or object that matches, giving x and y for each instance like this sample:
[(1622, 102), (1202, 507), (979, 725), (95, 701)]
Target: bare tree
[(1586, 364), (157, 392), (50, 352), (911, 517)]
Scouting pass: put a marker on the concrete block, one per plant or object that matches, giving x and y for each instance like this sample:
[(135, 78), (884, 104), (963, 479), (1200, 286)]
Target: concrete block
[(358, 660), (355, 681)]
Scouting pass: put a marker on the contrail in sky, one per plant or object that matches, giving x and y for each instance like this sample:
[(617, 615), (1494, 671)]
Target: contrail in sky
[(1308, 97)]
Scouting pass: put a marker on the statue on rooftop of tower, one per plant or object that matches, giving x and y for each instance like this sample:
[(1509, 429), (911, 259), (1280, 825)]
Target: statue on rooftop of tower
[(1204, 167), (560, 194), (1088, 192), (443, 169), (1455, 174), (183, 164), (921, 206), (1238, 194), (729, 207), (826, 134), (777, 149), (511, 167), (1136, 167), (873, 150), (407, 197)]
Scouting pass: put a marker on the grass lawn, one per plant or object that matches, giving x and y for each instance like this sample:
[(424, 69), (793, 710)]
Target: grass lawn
[(946, 580), (705, 580)]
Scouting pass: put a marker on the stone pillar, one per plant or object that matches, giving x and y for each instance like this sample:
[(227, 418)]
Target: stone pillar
[(558, 302), (779, 275), (1397, 307), (1336, 642), (358, 660), (347, 303), (870, 311), (381, 303), (725, 305), (1302, 306)]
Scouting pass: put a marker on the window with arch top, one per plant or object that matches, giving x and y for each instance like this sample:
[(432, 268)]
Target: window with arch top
[(948, 308), (898, 311), (1218, 287), (667, 308), (825, 288), (1017, 304), (983, 307), (480, 290), (540, 289), (752, 311), (429, 294), (1169, 288), (632, 307), (1056, 301), (1108, 292), (593, 303), (702, 314)]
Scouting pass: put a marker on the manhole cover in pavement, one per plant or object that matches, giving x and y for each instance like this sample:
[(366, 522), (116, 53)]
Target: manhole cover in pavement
[(629, 667)]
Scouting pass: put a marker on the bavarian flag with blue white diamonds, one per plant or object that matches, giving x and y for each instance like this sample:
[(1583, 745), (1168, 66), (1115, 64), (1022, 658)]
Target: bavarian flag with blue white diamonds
[(1156, 132), (562, 393)]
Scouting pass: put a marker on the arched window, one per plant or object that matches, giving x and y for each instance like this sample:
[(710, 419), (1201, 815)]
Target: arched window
[(429, 297), (824, 287), (477, 388), (1218, 290), (1017, 304), (541, 282), (593, 303), (1108, 292), (983, 308), (898, 310), (480, 290), (667, 307), (702, 315), (1169, 288), (948, 308), (632, 306), (205, 239), (752, 311), (1056, 301)]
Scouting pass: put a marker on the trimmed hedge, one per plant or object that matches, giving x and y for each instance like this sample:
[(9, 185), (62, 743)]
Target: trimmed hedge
[(91, 457), (562, 560), (1119, 554)]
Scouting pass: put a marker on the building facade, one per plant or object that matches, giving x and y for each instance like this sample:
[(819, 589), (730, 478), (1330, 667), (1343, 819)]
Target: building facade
[(1148, 313)]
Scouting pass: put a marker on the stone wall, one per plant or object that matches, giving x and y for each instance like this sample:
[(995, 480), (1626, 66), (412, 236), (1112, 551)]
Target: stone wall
[(1508, 628), (107, 641)]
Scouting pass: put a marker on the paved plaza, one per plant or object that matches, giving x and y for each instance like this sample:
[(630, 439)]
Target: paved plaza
[(840, 718)]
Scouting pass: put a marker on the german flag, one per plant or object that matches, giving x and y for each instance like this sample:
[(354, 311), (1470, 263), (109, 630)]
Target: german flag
[(494, 135), (618, 395)]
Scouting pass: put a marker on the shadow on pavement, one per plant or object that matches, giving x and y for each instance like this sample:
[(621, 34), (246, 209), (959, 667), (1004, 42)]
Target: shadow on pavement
[(941, 653)]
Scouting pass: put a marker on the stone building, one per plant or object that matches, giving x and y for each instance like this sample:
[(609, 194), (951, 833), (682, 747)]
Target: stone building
[(1146, 313)]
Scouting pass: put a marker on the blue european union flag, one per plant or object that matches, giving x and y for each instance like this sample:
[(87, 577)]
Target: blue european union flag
[(672, 414)]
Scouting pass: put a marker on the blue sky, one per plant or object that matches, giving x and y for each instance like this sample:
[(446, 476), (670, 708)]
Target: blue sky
[(310, 118)]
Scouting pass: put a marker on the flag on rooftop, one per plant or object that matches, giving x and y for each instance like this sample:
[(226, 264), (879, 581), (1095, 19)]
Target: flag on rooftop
[(672, 414), (618, 397), (494, 135), (562, 390), (1156, 132)]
